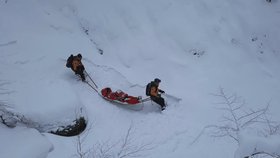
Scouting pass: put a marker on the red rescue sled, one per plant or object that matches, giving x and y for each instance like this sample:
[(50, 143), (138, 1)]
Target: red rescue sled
[(120, 97)]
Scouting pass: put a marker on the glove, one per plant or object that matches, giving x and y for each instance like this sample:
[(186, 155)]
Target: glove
[(161, 91)]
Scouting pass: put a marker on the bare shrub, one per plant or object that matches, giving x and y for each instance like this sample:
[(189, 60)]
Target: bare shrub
[(236, 117), (124, 148)]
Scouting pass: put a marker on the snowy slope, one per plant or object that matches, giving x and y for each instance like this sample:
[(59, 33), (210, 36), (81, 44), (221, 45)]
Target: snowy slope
[(194, 47), (23, 142)]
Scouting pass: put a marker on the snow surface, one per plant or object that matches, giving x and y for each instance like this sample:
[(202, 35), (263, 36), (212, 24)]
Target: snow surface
[(194, 47), (23, 142), (252, 143)]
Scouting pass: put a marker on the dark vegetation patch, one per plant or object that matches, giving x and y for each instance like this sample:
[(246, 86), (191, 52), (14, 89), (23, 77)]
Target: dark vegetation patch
[(78, 126)]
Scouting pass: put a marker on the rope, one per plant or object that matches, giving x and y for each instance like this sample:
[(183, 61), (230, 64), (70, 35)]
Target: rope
[(96, 89), (92, 87), (146, 99), (91, 79)]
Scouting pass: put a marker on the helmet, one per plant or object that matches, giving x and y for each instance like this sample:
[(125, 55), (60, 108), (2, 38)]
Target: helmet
[(157, 80)]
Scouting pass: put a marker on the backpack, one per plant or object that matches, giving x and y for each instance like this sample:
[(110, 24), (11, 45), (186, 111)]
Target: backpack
[(148, 89), (69, 61)]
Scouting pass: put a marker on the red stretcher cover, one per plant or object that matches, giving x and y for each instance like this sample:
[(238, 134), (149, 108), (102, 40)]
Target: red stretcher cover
[(119, 96)]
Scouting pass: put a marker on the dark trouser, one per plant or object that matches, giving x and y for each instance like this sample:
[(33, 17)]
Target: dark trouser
[(158, 100), (80, 71)]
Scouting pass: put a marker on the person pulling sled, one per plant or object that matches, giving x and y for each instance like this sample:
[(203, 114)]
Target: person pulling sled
[(152, 90), (75, 63)]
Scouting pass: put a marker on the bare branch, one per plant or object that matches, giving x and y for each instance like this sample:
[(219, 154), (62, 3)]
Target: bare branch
[(202, 132), (103, 150), (274, 155), (238, 107), (80, 140), (273, 126), (128, 149), (257, 114), (236, 118)]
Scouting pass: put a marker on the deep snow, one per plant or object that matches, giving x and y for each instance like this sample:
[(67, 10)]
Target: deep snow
[(194, 47)]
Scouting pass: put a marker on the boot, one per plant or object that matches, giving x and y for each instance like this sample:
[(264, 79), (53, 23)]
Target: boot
[(163, 107), (139, 98), (83, 77)]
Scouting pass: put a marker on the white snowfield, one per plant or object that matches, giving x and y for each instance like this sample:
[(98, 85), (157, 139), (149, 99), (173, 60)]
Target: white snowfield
[(23, 142), (194, 47), (252, 143)]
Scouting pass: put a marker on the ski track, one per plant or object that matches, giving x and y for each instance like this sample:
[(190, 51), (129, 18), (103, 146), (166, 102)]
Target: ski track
[(8, 43), (100, 74), (109, 71), (173, 28)]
